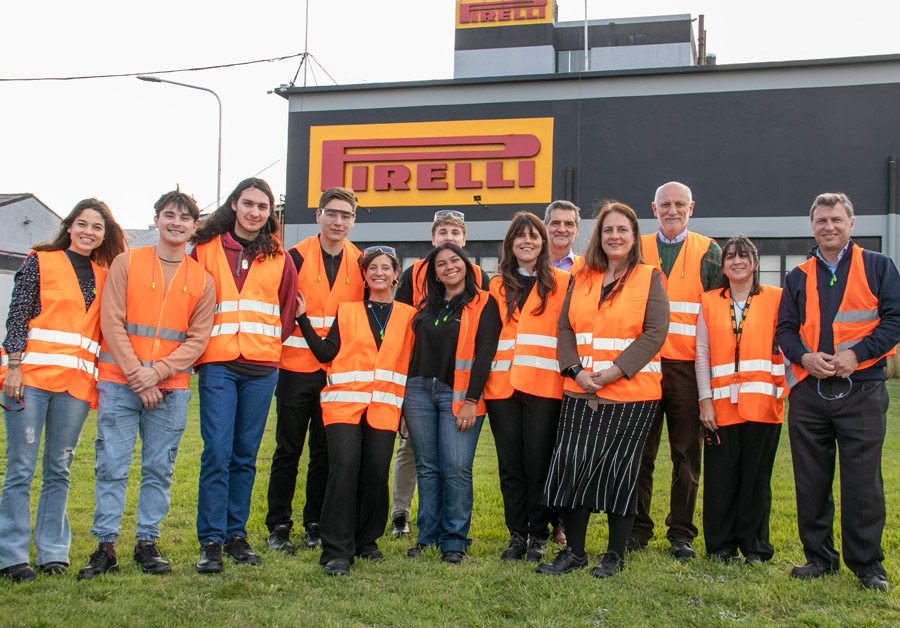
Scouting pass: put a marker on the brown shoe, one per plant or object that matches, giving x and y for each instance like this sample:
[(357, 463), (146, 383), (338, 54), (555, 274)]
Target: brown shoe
[(559, 534)]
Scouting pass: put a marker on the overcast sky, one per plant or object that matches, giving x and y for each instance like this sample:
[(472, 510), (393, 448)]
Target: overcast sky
[(127, 142)]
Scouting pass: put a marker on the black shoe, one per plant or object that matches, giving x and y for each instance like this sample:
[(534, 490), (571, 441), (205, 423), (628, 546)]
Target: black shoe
[(18, 573), (146, 554), (239, 549), (400, 526), (564, 562), (416, 549), (536, 549), (337, 567), (634, 545), (611, 563), (53, 568), (875, 582), (682, 549), (371, 555), (515, 550), (812, 570), (210, 558), (280, 539), (754, 560), (726, 554), (454, 557), (101, 562), (313, 540)]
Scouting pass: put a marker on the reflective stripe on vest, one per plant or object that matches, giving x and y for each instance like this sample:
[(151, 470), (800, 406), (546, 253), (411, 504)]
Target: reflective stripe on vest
[(684, 288), (760, 375), (322, 299), (465, 352)]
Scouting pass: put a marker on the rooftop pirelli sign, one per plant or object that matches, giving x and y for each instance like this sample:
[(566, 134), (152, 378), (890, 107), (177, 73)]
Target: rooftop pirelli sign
[(481, 13), (506, 161)]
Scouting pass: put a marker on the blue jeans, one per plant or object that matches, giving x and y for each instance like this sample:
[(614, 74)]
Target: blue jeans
[(233, 413), (61, 417), (120, 417), (444, 458)]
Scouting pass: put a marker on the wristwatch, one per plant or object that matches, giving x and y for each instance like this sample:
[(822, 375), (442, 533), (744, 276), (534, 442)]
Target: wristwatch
[(573, 371)]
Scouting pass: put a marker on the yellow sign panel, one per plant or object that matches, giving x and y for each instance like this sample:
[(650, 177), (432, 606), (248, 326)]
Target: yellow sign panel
[(481, 13), (434, 163)]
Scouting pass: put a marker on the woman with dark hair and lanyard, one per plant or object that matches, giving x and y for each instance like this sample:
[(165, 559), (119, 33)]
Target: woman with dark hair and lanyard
[(49, 378), (456, 330), (524, 391), (740, 377), (367, 355), (612, 326)]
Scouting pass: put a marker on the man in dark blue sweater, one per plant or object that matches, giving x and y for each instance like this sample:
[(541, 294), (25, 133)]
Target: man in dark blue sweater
[(838, 322)]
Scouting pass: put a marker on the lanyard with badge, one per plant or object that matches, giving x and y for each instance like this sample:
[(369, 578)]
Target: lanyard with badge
[(738, 328)]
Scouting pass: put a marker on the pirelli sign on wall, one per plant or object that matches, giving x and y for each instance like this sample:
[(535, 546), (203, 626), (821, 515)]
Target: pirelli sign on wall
[(481, 13), (434, 163)]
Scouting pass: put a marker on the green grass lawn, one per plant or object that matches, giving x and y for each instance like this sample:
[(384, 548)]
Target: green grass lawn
[(654, 590)]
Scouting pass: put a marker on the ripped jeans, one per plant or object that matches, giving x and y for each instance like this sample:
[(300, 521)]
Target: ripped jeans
[(120, 417), (61, 417)]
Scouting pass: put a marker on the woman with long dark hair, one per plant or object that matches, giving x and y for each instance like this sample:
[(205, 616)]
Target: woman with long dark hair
[(456, 330), (367, 356), (49, 365), (256, 294), (524, 391), (612, 326), (740, 378)]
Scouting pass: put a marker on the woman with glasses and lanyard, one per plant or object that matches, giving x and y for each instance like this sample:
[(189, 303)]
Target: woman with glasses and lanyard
[(524, 391), (740, 377), (49, 366), (613, 324), (456, 329), (367, 355)]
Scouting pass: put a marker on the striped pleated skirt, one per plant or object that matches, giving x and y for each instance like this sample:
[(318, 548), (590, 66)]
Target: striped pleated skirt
[(597, 455)]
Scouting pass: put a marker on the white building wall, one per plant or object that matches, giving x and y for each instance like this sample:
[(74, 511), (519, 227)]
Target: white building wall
[(633, 57), (504, 62)]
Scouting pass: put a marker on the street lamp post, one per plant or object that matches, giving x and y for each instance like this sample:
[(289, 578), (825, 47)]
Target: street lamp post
[(156, 79)]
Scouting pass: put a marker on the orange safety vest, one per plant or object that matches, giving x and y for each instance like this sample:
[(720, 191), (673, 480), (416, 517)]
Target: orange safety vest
[(465, 352), (363, 378), (856, 317), (602, 333), (684, 288), (322, 300), (577, 265), (156, 319), (63, 340), (761, 367), (418, 280), (526, 353), (246, 323)]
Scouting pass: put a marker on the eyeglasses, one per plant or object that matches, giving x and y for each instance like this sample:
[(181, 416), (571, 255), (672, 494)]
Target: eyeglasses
[(444, 213), (166, 391), (11, 409), (387, 250), (833, 397), (334, 214), (711, 437)]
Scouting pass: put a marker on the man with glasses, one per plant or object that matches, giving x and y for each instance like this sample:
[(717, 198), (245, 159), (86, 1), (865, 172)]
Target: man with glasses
[(562, 220), (449, 225), (838, 321), (327, 275)]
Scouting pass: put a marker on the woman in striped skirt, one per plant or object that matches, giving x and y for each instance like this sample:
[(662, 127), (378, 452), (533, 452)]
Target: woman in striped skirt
[(611, 328)]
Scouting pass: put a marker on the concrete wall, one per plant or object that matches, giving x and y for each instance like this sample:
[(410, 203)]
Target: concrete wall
[(504, 61)]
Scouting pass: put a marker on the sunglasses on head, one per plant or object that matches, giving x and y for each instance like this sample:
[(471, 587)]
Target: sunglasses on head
[(444, 213), (387, 250)]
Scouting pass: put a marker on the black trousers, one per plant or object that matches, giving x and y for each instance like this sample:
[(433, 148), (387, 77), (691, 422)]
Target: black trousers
[(681, 407), (524, 429), (290, 434), (357, 498), (737, 489), (856, 424)]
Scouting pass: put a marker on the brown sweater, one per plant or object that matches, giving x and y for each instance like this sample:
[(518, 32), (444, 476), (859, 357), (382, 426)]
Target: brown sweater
[(639, 352), (112, 321)]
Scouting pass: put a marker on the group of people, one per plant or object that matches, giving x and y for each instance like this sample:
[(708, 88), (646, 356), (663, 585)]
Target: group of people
[(574, 360)]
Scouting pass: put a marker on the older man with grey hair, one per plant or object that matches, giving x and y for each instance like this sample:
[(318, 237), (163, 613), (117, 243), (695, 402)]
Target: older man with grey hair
[(562, 220)]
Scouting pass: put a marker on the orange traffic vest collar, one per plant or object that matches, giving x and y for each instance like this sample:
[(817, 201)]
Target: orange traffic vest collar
[(684, 288), (156, 318), (418, 280), (322, 300), (602, 333), (856, 317), (465, 352), (63, 340), (526, 352), (363, 378), (760, 374), (247, 322)]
